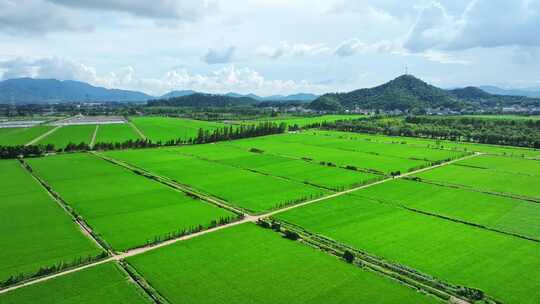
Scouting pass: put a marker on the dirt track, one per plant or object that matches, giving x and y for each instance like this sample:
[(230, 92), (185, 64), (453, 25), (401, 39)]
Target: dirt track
[(35, 140)]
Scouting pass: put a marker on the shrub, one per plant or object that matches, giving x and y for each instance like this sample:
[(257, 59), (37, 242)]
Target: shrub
[(291, 235), (255, 150), (348, 256), (263, 224)]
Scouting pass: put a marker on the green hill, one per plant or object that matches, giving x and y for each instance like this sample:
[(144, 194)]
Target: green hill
[(403, 93)]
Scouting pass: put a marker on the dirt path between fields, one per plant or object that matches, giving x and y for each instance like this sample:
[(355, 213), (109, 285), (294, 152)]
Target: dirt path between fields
[(247, 218), (93, 141), (37, 139), (139, 132)]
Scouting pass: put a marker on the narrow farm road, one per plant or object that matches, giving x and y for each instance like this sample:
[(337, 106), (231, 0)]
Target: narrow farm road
[(37, 139), (139, 132), (247, 218), (93, 140)]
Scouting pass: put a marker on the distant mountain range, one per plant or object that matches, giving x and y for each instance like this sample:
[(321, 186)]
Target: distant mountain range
[(29, 90), (203, 100), (174, 94), (535, 93), (306, 97), (408, 92), (403, 93)]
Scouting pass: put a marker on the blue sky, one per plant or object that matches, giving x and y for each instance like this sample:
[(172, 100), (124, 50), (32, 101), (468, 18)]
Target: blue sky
[(271, 46)]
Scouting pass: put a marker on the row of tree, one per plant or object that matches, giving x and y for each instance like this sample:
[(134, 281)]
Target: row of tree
[(203, 136)]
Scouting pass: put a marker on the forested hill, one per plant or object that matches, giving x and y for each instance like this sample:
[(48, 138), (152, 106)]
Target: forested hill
[(403, 93), (203, 100), (408, 92)]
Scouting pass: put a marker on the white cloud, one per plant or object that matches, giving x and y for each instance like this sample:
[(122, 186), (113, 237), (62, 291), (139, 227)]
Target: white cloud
[(32, 17), (231, 78), (184, 10), (58, 68), (355, 46), (441, 57), (483, 23), (217, 56), (297, 49)]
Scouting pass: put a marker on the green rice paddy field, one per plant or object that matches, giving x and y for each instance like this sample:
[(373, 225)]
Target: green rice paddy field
[(305, 121), (352, 153), (249, 190), (294, 169), (432, 143), (505, 267), (374, 148), (490, 180), (125, 209), (247, 264), (166, 128), (497, 212), (115, 133), (35, 231), (504, 164), (460, 223), (21, 136), (105, 283), (75, 134)]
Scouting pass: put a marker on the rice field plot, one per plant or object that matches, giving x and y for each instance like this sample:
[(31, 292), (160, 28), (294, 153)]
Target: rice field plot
[(504, 164), (375, 148), (254, 192), (105, 283), (248, 264), (496, 212), (115, 133), (35, 231), (298, 170), (306, 121), (166, 128), (21, 136), (291, 146), (439, 144), (504, 267), (124, 209), (488, 180), (75, 134)]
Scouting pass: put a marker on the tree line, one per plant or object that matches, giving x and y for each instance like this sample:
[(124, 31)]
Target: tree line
[(203, 136)]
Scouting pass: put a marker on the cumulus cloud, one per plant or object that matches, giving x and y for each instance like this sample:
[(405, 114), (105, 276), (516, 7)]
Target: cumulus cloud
[(440, 57), (184, 10), (58, 68), (231, 78), (226, 79), (483, 23), (33, 17), (355, 46), (296, 49), (218, 56)]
